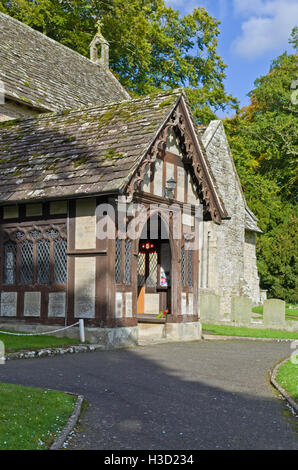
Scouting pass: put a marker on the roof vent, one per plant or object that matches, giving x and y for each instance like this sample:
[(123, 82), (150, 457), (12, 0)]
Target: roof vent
[(100, 41)]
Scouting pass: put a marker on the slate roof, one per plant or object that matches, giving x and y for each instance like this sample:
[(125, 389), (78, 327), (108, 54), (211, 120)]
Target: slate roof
[(79, 152), (251, 222), (43, 73)]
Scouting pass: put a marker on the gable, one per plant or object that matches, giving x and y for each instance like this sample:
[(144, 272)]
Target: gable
[(221, 161), (170, 165), (179, 135)]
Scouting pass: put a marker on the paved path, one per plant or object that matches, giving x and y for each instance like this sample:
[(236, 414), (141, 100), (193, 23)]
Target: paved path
[(197, 395)]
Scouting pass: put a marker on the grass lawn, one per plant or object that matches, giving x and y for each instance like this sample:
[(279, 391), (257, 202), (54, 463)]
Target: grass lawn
[(248, 332), (30, 418), (17, 343), (291, 313), (287, 377)]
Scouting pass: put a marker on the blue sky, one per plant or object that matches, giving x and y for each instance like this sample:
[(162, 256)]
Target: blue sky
[(253, 32)]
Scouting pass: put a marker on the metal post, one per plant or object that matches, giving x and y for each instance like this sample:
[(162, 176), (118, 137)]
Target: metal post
[(82, 331), (2, 353)]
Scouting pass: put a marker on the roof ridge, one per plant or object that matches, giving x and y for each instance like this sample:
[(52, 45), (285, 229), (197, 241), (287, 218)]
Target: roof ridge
[(44, 36), (68, 111)]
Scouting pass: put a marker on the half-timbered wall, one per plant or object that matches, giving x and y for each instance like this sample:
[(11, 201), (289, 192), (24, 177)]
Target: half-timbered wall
[(33, 260)]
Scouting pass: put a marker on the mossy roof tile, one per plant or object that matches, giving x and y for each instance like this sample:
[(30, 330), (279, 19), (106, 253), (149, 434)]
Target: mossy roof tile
[(89, 150), (47, 75)]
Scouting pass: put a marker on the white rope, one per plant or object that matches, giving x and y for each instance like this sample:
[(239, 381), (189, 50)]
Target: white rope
[(38, 334)]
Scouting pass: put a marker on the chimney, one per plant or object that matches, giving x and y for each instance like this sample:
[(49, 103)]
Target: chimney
[(100, 41)]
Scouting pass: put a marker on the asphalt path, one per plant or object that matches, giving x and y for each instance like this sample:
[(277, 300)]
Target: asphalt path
[(186, 396)]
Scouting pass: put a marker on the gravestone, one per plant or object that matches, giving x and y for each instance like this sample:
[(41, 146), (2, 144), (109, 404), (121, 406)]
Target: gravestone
[(241, 310), (209, 308), (274, 313)]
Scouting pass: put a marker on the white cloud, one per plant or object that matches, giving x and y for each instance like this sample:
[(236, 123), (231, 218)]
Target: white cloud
[(186, 6), (266, 26)]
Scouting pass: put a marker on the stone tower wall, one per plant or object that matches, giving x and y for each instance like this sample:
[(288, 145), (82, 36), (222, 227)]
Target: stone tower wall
[(228, 246)]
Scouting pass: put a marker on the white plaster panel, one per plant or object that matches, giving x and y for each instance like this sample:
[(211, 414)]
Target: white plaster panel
[(119, 304), (158, 188), (85, 224), (172, 143), (32, 304), (8, 305), (57, 304), (152, 304), (183, 304), (190, 304), (180, 183), (191, 194), (145, 186), (85, 287), (128, 304)]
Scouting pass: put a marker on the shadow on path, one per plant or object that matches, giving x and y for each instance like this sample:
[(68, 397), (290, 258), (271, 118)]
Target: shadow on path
[(198, 395)]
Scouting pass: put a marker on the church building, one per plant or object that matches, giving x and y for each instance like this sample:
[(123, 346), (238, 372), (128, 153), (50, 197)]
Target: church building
[(79, 158)]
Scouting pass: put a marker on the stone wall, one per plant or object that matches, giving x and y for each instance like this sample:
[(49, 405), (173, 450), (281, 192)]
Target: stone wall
[(250, 267), (13, 110), (226, 251)]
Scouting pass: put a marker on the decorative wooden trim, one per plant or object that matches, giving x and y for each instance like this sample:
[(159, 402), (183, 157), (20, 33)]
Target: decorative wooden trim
[(192, 157)]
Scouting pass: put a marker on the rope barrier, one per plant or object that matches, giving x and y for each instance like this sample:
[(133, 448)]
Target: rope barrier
[(38, 334)]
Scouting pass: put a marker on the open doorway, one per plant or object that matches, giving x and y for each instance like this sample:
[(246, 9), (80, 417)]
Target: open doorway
[(153, 275)]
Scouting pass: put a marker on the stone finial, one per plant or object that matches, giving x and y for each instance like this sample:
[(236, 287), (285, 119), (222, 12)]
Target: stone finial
[(100, 41)]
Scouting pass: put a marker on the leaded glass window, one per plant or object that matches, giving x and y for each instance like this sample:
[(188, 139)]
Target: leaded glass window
[(43, 262), (26, 263), (141, 269), (118, 264), (10, 254), (35, 234), (127, 262), (35, 256), (152, 275), (60, 261), (183, 266), (189, 268)]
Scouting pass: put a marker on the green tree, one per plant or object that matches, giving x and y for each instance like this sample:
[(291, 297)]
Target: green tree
[(263, 139), (152, 46)]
